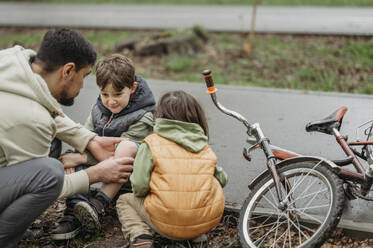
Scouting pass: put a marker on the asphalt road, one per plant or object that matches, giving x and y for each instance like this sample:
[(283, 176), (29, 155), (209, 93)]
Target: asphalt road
[(282, 114), (270, 19)]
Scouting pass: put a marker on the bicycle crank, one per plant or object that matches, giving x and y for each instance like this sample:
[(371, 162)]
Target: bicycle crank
[(357, 192)]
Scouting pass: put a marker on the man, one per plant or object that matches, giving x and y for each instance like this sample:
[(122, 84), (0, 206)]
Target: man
[(31, 88)]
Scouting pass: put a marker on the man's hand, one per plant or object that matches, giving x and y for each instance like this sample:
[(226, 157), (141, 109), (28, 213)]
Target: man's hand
[(111, 170), (103, 147)]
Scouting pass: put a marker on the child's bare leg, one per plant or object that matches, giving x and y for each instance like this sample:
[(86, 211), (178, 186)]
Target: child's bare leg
[(124, 149)]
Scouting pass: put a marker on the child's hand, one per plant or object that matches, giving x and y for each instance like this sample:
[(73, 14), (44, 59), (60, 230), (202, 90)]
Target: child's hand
[(69, 171), (71, 160)]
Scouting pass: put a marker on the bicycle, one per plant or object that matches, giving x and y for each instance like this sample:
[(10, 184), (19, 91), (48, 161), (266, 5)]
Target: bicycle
[(298, 200)]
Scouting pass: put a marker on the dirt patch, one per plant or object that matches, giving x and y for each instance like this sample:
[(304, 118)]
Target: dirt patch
[(224, 235)]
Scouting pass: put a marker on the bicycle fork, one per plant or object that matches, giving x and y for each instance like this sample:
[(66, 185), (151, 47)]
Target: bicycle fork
[(271, 163)]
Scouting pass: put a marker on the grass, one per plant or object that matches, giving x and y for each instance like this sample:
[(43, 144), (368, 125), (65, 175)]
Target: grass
[(224, 2), (321, 63), (179, 63), (11, 39), (106, 39)]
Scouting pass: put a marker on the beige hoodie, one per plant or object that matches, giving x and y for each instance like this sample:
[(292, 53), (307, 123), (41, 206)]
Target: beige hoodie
[(31, 117)]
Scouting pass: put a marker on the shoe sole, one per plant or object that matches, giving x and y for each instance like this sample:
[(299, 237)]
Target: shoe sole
[(65, 236), (87, 216)]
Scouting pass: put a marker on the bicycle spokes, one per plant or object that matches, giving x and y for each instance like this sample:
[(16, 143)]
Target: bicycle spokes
[(308, 201)]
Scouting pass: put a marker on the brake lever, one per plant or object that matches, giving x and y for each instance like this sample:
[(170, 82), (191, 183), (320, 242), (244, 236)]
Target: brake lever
[(246, 151)]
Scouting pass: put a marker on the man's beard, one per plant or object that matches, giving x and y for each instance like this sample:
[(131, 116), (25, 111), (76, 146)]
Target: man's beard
[(66, 101)]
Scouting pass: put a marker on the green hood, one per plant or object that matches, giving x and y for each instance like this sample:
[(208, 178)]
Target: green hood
[(189, 135)]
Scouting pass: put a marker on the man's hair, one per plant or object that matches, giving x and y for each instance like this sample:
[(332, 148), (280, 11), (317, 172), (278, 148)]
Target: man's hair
[(117, 70), (62, 46), (181, 106)]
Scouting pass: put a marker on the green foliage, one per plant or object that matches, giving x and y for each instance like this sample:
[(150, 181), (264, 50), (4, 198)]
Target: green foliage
[(361, 53), (179, 63), (106, 39), (8, 40)]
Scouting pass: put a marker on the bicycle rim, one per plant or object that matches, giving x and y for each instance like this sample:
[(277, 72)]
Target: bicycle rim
[(310, 199)]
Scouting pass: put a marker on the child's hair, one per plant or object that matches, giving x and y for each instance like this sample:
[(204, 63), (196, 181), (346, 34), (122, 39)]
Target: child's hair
[(117, 70), (181, 106)]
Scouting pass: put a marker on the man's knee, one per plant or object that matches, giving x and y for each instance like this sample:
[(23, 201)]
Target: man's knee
[(53, 172)]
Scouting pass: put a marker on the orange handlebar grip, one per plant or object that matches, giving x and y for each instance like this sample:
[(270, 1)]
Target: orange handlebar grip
[(209, 82), (211, 90)]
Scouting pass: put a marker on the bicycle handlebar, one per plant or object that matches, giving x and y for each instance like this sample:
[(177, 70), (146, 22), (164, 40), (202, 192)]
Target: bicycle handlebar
[(211, 90), (209, 82)]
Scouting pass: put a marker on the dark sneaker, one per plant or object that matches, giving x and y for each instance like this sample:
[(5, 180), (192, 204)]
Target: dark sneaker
[(88, 214), (67, 228), (143, 241)]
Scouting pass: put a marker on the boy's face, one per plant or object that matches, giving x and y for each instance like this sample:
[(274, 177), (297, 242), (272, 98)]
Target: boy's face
[(115, 100)]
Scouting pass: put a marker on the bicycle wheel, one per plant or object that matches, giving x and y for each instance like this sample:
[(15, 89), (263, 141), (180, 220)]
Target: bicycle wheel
[(315, 201)]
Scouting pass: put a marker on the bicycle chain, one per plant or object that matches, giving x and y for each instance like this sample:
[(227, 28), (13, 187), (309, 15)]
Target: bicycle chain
[(356, 193)]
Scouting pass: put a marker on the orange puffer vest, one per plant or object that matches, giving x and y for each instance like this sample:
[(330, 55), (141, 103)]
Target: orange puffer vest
[(185, 199)]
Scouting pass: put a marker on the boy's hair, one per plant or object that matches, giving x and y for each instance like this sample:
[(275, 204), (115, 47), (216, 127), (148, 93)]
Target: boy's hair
[(181, 106), (117, 70), (62, 46)]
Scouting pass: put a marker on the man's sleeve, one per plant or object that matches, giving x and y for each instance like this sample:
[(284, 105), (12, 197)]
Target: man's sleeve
[(75, 183), (142, 170), (138, 131), (72, 133)]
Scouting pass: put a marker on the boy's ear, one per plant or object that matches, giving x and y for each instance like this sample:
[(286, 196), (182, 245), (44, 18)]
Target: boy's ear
[(134, 87)]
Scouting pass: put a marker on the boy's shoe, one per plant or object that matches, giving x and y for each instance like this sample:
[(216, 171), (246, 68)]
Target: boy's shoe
[(142, 241), (67, 228), (89, 213)]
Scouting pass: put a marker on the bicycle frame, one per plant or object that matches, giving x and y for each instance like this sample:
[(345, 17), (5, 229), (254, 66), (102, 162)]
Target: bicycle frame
[(278, 157), (252, 130)]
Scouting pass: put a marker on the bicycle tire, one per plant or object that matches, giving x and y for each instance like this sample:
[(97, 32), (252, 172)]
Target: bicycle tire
[(254, 230)]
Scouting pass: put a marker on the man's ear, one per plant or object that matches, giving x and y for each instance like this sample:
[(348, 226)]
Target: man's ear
[(134, 87), (68, 70)]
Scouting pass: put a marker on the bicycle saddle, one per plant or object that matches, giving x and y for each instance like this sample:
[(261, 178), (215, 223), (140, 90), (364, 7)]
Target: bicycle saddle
[(327, 124)]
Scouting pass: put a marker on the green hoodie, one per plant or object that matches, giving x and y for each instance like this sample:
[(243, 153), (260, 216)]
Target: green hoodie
[(189, 135)]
